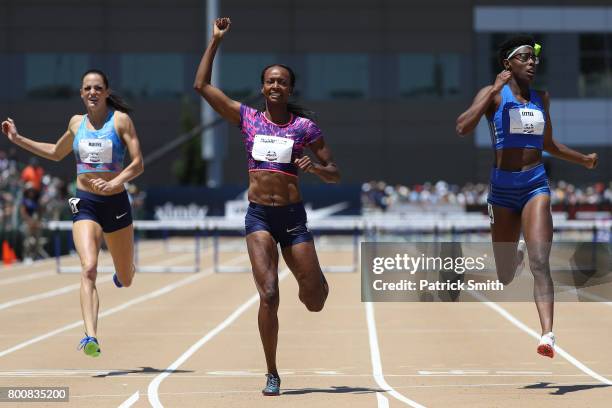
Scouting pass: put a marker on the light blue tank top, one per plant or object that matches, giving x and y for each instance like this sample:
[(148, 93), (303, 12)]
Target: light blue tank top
[(100, 150), (518, 124)]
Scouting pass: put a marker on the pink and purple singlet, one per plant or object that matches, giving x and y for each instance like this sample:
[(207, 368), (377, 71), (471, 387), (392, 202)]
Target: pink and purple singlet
[(272, 147)]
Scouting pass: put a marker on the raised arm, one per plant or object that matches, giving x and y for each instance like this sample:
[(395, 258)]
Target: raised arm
[(228, 108), (468, 120), (52, 151), (127, 133), (560, 150)]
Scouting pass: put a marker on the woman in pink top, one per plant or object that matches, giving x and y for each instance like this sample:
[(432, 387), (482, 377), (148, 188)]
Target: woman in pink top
[(274, 141)]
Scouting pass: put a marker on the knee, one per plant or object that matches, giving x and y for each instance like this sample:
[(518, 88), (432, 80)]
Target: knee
[(538, 264), (505, 279), (315, 306), (316, 302), (127, 278), (89, 272), (269, 296)]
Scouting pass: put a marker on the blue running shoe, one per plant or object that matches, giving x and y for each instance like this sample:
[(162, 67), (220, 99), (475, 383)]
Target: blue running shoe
[(90, 346), (272, 385), (116, 281)]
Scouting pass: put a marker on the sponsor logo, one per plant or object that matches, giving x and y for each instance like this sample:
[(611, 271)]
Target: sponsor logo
[(73, 202), (527, 113), (120, 216), (528, 128), (271, 155)]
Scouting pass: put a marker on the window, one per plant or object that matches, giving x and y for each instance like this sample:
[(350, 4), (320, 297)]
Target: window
[(429, 75), (152, 75), (54, 75), (338, 76), (595, 65), (240, 73)]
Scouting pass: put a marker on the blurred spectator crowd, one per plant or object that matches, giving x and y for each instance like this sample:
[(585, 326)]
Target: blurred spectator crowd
[(28, 197), (380, 196)]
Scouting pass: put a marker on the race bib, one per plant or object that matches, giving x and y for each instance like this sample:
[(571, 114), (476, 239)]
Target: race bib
[(94, 151), (526, 121), (272, 149)]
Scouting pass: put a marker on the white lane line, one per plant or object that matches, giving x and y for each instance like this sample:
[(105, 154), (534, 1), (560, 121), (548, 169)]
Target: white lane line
[(25, 278), (153, 388), (503, 312), (377, 364), (258, 392), (130, 401), (151, 295), (46, 295), (383, 402)]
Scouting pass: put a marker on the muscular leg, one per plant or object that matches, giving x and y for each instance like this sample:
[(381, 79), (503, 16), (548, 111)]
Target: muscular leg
[(538, 231), (264, 261), (121, 246), (87, 237), (303, 262), (505, 232)]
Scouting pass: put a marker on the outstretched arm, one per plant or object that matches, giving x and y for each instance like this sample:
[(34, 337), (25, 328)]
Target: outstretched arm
[(228, 108), (468, 120), (326, 169), (52, 151), (560, 150)]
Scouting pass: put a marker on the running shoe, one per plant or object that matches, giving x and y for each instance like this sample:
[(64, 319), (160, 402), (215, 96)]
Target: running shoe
[(272, 385), (547, 345), (90, 346), (116, 281)]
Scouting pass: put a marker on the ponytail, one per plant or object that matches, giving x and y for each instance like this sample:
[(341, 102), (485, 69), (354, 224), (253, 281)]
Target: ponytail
[(116, 102)]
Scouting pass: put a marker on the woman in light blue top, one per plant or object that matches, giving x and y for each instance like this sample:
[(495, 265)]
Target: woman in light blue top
[(519, 196), (101, 208)]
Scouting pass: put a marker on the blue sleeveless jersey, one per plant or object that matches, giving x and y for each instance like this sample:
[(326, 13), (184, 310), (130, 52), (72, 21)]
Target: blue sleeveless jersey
[(98, 150), (518, 124)]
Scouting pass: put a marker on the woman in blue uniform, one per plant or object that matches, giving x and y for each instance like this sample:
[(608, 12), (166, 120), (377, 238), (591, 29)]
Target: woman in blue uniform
[(101, 208), (519, 196)]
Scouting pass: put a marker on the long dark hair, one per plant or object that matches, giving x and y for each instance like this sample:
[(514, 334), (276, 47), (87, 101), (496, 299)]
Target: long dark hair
[(293, 107), (113, 100), (511, 43)]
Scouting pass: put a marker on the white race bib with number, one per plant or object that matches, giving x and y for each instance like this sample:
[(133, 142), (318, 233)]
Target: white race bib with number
[(526, 121), (272, 149), (94, 151)]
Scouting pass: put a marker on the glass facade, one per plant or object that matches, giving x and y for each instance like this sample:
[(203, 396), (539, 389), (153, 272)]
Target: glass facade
[(338, 76), (433, 75), (147, 75), (54, 76)]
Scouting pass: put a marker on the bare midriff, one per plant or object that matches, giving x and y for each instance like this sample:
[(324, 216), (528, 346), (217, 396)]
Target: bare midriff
[(517, 159), (84, 182), (273, 188)]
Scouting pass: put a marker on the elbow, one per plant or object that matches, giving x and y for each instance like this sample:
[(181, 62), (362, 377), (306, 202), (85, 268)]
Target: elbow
[(334, 179), (200, 87), (140, 168)]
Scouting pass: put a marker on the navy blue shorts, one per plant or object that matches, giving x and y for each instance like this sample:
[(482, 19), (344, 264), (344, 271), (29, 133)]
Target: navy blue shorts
[(112, 212), (513, 189), (287, 223)]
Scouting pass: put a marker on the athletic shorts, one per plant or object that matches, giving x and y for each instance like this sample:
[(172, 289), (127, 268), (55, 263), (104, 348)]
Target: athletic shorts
[(513, 189), (112, 212), (286, 224)]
